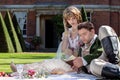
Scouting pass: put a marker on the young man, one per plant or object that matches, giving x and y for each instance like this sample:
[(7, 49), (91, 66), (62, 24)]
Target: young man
[(90, 50), (107, 65)]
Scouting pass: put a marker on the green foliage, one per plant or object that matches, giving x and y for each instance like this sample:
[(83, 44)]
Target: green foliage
[(12, 32), (18, 31), (84, 14), (36, 40), (5, 40), (58, 23)]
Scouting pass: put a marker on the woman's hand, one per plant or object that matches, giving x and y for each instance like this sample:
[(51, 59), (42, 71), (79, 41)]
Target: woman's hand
[(68, 52), (65, 25), (65, 35), (66, 31), (75, 52)]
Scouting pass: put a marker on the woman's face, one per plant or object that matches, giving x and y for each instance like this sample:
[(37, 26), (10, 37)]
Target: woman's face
[(72, 21), (86, 35)]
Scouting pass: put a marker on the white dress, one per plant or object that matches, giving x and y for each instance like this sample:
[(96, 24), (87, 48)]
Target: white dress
[(73, 44), (48, 65)]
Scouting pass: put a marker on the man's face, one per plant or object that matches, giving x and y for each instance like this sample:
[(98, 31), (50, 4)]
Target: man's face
[(86, 35)]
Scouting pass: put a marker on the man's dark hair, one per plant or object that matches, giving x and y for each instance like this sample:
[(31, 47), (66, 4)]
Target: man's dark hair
[(86, 25)]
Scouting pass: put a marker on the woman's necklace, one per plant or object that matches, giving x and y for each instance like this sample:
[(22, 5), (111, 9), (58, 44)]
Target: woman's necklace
[(74, 30), (74, 33)]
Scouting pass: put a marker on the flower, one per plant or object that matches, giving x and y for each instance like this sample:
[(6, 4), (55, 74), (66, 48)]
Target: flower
[(3, 74), (34, 74), (31, 72)]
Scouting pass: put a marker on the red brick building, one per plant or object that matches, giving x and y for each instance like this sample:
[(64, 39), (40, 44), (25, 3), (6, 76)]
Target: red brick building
[(34, 16)]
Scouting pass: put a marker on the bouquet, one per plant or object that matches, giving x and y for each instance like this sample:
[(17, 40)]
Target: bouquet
[(3, 74), (29, 74), (35, 74)]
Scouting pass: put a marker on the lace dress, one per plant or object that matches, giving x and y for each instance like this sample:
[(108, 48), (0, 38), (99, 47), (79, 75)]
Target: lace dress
[(48, 65), (73, 44)]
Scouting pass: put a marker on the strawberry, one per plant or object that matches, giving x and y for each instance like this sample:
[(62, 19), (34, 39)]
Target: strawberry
[(2, 73)]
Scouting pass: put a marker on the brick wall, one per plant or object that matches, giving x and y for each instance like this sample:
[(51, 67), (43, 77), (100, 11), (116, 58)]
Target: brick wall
[(88, 2), (31, 24), (100, 18), (112, 2), (114, 21), (30, 1), (115, 2)]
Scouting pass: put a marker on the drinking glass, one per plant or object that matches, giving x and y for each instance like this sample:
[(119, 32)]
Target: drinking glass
[(20, 70)]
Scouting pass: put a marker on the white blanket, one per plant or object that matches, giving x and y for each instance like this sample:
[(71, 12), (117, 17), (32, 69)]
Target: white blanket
[(72, 76), (68, 76)]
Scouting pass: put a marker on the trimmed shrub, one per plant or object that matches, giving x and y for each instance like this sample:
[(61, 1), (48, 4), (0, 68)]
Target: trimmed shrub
[(18, 31), (12, 32), (5, 40), (84, 14)]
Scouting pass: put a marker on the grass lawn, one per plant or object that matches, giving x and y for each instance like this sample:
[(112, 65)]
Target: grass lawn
[(23, 58)]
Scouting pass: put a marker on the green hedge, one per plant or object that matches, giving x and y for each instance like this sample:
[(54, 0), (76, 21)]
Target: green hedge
[(18, 31), (84, 14), (12, 32), (5, 40)]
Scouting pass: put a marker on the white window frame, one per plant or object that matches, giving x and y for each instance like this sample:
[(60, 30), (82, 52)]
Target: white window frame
[(22, 20)]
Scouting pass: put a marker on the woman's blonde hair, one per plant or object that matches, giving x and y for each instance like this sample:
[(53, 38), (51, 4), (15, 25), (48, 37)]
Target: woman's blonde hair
[(71, 11)]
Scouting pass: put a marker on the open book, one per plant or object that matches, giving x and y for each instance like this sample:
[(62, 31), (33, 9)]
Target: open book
[(70, 60)]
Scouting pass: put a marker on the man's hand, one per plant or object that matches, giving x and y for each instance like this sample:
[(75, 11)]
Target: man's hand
[(78, 62), (75, 68)]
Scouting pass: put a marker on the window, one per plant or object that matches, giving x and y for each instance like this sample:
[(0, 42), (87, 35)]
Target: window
[(22, 21), (89, 16), (24, 30)]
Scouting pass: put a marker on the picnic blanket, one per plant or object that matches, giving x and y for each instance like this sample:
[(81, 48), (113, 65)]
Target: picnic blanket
[(67, 76), (73, 76)]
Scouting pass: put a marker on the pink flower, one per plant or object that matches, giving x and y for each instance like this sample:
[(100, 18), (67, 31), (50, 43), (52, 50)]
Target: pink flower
[(31, 72)]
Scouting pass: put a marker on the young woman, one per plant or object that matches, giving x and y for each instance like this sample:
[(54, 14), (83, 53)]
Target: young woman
[(69, 45), (70, 39)]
